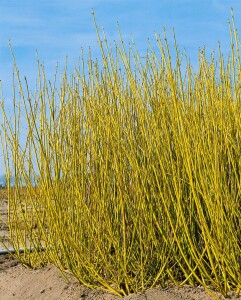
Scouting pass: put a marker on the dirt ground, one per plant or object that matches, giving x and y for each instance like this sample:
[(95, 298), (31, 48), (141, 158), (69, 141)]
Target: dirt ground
[(19, 283)]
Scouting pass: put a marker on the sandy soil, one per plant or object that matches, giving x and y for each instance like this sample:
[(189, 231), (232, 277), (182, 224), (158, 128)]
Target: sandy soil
[(19, 283)]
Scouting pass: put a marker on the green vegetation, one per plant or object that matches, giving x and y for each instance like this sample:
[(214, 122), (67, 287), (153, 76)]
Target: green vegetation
[(136, 170)]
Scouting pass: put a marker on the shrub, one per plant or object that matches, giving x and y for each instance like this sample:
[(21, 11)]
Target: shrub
[(131, 173)]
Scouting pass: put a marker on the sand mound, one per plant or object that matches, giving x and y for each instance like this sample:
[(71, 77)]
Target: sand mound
[(17, 282)]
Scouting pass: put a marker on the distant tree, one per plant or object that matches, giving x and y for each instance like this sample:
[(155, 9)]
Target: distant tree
[(3, 182)]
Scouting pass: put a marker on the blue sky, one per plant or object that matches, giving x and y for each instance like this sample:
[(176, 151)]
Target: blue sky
[(60, 28)]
